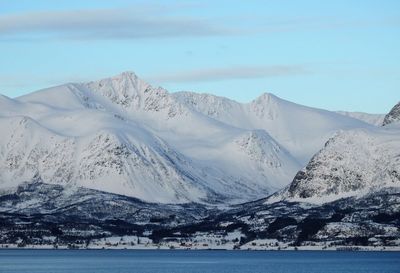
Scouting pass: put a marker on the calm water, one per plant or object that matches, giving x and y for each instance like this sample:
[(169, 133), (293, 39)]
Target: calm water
[(114, 261)]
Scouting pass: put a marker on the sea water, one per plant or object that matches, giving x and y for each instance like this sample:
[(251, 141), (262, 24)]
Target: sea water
[(158, 261)]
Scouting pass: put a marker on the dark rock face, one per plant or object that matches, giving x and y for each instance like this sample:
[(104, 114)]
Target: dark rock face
[(59, 203), (393, 116), (348, 221), (36, 212)]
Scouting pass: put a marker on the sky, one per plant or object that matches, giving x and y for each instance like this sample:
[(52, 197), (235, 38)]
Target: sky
[(336, 55)]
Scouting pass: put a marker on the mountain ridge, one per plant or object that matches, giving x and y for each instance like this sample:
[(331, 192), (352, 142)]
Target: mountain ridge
[(198, 130), (83, 164)]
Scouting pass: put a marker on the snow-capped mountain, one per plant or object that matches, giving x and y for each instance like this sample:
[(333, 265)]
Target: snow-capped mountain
[(123, 136), (352, 163), (393, 116), (301, 130), (132, 163), (82, 163)]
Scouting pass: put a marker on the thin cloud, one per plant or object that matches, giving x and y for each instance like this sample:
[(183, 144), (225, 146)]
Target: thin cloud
[(104, 24), (229, 73), (151, 21)]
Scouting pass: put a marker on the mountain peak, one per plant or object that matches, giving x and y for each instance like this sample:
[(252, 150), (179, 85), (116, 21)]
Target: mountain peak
[(393, 115), (134, 94), (266, 105), (127, 79), (266, 98), (125, 89)]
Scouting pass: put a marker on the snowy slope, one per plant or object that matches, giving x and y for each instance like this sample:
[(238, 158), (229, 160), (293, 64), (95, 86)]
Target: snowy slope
[(123, 136), (352, 163), (301, 130), (374, 119), (128, 163)]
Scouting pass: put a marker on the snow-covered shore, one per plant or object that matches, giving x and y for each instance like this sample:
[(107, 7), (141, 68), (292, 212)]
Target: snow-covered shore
[(143, 243)]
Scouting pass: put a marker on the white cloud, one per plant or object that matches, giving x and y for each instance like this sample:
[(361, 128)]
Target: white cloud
[(104, 24), (238, 72)]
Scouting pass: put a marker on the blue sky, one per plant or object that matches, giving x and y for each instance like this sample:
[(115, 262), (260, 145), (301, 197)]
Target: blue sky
[(338, 55)]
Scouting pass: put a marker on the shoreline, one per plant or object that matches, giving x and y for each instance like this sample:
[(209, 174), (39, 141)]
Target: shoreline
[(166, 248)]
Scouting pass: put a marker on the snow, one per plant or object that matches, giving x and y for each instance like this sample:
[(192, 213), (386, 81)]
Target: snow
[(301, 130), (352, 163), (123, 136), (374, 119)]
